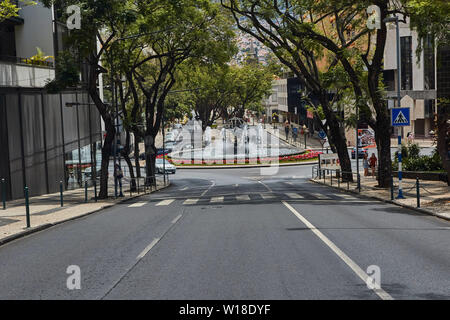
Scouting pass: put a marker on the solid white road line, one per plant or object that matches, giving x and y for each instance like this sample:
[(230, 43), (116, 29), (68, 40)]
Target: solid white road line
[(320, 196), (359, 272), (137, 204), (270, 190), (243, 197), (212, 185), (216, 199), (165, 202), (176, 219), (190, 201), (148, 248), (294, 196)]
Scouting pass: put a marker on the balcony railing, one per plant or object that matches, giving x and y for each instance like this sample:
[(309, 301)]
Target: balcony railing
[(26, 61)]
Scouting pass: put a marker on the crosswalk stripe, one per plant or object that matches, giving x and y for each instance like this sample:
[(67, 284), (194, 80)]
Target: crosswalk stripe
[(346, 196), (243, 197), (294, 196), (190, 201), (216, 199), (165, 202), (320, 196), (267, 196), (137, 204)]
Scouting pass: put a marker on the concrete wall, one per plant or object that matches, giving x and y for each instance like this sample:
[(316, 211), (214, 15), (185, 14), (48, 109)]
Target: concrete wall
[(37, 31), (16, 75)]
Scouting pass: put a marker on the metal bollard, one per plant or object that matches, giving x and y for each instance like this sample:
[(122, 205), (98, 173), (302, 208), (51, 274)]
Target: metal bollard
[(331, 177), (85, 191), (4, 194), (418, 192), (95, 190), (27, 206), (324, 176), (359, 183), (392, 188), (138, 185), (61, 193), (339, 178)]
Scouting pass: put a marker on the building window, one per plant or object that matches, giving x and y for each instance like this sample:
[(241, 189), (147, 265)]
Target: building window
[(389, 80), (274, 97), (7, 42), (429, 108), (428, 63), (406, 62)]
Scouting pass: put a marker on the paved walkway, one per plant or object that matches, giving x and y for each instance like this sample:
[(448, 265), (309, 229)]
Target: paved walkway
[(434, 195), (311, 142), (46, 210)]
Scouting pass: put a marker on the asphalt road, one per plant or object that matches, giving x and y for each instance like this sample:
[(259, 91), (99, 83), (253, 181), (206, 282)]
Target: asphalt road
[(236, 234)]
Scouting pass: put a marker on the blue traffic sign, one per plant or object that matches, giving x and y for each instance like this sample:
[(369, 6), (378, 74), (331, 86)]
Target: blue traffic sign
[(400, 117), (322, 134)]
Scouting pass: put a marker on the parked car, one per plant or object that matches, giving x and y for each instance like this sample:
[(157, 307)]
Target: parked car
[(161, 163), (361, 152)]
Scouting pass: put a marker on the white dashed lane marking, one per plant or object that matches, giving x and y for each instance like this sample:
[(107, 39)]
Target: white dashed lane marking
[(137, 204), (216, 199), (320, 196), (243, 197), (190, 201), (294, 196), (165, 202)]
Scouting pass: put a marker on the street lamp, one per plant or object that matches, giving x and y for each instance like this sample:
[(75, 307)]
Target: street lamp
[(400, 129)]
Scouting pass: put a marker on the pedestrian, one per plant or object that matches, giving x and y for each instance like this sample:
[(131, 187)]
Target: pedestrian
[(286, 129), (118, 174), (294, 133), (366, 165), (373, 162)]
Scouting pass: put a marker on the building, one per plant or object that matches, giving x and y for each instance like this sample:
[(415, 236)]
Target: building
[(418, 78), (277, 103), (44, 138)]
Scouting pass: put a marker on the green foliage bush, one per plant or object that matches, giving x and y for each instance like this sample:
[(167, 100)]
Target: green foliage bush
[(413, 161)]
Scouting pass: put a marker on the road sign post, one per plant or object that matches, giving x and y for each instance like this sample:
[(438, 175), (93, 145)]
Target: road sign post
[(400, 118)]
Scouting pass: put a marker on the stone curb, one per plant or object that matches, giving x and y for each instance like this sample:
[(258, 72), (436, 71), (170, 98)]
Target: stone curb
[(247, 166), (49, 225), (428, 212)]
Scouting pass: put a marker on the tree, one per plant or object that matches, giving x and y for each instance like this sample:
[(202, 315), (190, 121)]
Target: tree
[(101, 21), (251, 83), (10, 10), (431, 18), (195, 30), (280, 26), (209, 90)]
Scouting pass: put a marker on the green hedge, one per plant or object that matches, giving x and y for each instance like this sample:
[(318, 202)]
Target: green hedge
[(412, 161)]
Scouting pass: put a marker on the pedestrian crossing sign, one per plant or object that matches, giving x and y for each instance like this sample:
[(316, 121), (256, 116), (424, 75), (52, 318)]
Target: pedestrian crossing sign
[(400, 117)]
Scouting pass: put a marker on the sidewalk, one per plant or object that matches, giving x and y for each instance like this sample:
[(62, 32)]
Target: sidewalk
[(312, 143), (434, 195), (46, 210)]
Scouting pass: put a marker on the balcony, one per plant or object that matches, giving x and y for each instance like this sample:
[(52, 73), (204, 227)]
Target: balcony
[(23, 72)]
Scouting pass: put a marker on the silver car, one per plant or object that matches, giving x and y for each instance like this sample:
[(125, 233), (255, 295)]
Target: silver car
[(170, 168)]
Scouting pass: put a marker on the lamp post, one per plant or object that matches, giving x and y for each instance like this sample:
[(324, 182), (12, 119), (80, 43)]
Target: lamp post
[(399, 97)]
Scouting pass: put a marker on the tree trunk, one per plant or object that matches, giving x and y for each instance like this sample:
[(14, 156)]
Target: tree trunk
[(150, 159), (126, 155), (337, 139), (137, 140), (383, 140), (443, 136), (106, 153)]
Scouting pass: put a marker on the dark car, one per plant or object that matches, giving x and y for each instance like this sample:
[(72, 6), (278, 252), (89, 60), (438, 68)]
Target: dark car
[(361, 152)]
